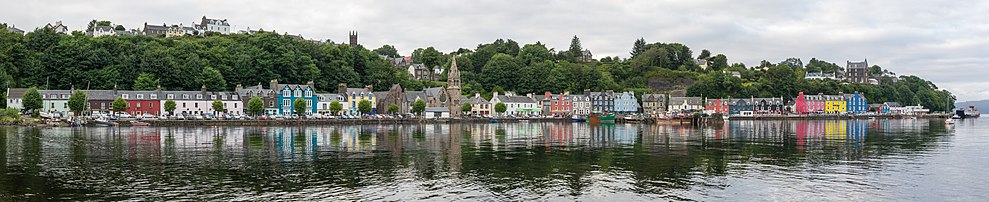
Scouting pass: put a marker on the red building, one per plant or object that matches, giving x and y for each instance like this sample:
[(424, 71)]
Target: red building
[(717, 106), (800, 104), (557, 104), (142, 102)]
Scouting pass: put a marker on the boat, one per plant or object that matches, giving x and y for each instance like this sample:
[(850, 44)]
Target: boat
[(607, 118), (494, 121), (632, 119), (956, 116), (971, 112), (104, 122), (949, 121), (138, 123), (576, 118)]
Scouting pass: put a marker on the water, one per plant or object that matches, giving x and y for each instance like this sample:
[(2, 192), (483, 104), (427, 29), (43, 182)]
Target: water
[(886, 160)]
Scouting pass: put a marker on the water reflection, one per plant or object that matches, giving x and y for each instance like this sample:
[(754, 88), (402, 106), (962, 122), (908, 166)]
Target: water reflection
[(525, 161)]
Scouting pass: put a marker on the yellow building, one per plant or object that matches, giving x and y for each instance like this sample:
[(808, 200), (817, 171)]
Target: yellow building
[(835, 104), (354, 96)]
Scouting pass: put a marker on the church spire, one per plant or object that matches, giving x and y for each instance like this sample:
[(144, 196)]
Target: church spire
[(453, 76)]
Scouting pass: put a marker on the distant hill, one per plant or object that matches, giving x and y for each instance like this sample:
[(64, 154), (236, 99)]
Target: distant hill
[(981, 105)]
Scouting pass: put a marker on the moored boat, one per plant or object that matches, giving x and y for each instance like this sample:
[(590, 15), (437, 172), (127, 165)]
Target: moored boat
[(576, 118), (138, 123), (104, 122)]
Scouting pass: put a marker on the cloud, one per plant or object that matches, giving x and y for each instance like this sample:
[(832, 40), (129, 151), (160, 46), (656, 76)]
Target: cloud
[(939, 41)]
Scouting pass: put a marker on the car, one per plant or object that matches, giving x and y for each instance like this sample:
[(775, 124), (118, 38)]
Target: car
[(198, 117), (179, 117), (263, 117), (227, 116)]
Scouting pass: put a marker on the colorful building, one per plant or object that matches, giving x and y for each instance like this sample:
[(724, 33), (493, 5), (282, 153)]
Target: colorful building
[(856, 103), (288, 93), (626, 103), (354, 96), (800, 104), (142, 102), (834, 104), (719, 106)]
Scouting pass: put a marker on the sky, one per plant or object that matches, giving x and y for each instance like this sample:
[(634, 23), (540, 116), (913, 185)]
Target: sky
[(943, 41)]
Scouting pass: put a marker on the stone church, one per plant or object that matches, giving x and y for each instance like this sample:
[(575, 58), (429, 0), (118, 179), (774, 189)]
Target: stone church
[(447, 97)]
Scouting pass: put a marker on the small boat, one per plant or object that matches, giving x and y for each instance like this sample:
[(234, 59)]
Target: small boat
[(949, 121), (956, 117), (104, 122), (138, 123), (494, 121), (576, 118)]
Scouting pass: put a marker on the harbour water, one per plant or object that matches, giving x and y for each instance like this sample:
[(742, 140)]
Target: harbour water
[(831, 160)]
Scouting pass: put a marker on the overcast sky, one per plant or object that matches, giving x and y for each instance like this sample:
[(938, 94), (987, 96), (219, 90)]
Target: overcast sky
[(943, 41)]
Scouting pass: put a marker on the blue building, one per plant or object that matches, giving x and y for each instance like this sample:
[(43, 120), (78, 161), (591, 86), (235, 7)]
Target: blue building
[(287, 93), (626, 103), (601, 102), (856, 103)]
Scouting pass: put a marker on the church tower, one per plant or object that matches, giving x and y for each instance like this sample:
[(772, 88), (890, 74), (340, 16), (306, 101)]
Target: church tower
[(353, 39), (453, 89)]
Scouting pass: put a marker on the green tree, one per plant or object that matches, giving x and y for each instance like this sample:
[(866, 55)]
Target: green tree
[(704, 54), (501, 70), (77, 102), (119, 28), (466, 108), (364, 106), (638, 47), (575, 51), (299, 106), (146, 81), (170, 107), (387, 50), (255, 106), (119, 105), (335, 107), (218, 107), (32, 101), (418, 107), (500, 108), (213, 79), (392, 108)]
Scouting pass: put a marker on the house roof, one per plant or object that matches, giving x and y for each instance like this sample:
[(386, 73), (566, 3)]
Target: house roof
[(410, 96), (689, 100), (477, 100), (654, 98), (15, 93), (434, 91), (515, 99), (100, 94)]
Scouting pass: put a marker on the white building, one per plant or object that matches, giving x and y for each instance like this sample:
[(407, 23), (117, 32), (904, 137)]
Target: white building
[(679, 104), (99, 31), (517, 105), (215, 25), (436, 112)]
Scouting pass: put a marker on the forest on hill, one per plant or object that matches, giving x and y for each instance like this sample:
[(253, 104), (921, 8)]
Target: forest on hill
[(49, 60)]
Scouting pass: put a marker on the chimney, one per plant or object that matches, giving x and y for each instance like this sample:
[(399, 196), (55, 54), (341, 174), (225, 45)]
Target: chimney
[(477, 94), (273, 85), (203, 88), (587, 92), (114, 89), (494, 94), (369, 88), (342, 89), (239, 87), (310, 84)]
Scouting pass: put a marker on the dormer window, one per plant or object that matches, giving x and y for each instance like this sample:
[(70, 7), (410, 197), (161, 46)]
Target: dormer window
[(286, 93), (212, 97), (199, 96), (185, 96), (154, 96), (298, 93), (140, 96), (125, 96)]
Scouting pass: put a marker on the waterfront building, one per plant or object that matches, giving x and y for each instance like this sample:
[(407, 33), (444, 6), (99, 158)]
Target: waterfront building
[(581, 104), (324, 103), (143, 102), (288, 93), (479, 106), (436, 112), (268, 96), (556, 104), (856, 103), (101, 101), (815, 103), (55, 101), (14, 98), (713, 106), (601, 102), (654, 103), (768, 105), (517, 105), (353, 96), (740, 107), (834, 104), (626, 103), (395, 95), (800, 104), (684, 104)]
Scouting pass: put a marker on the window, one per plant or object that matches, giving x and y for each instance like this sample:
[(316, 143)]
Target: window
[(235, 97), (43, 96), (223, 97), (212, 97), (196, 105), (199, 96), (138, 105), (65, 96), (308, 93), (125, 96), (154, 96), (286, 93), (235, 105), (286, 102), (298, 93), (185, 96), (309, 103), (170, 96), (271, 103), (140, 96), (183, 105)]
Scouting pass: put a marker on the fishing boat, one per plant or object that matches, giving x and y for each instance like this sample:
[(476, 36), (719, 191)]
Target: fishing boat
[(138, 123), (632, 119), (576, 118), (606, 118)]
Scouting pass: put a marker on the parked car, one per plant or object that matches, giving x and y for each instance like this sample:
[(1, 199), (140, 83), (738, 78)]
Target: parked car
[(198, 117)]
